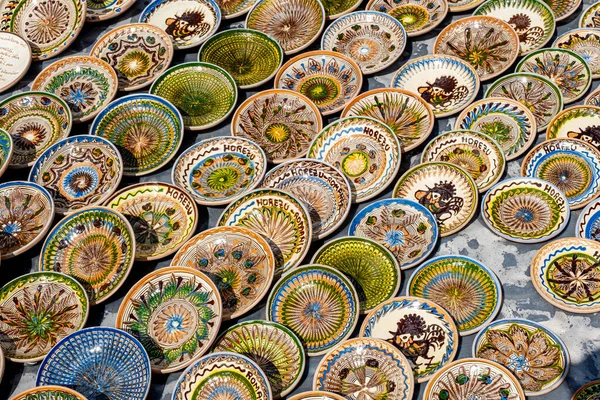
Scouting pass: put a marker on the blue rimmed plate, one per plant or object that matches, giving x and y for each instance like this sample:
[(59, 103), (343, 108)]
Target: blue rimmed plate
[(588, 223)]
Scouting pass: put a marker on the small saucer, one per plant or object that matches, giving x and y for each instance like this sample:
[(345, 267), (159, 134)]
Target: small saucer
[(586, 43), (589, 391), (577, 122), (588, 223), (590, 18), (15, 61), (417, 16), (102, 10)]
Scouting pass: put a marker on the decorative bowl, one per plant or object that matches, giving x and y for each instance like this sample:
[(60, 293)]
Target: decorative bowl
[(563, 9), (139, 53), (577, 122), (17, 62), (586, 392), (329, 79), (588, 223), (99, 363), (416, 16), (95, 246), (49, 393), (590, 18), (586, 43), (593, 99), (101, 10), (316, 395)]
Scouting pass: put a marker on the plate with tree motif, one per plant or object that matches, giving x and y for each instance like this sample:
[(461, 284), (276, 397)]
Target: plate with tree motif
[(577, 122)]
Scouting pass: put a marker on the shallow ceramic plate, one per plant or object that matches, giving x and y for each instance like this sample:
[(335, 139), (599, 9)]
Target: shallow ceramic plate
[(588, 391), (281, 122), (188, 23), (593, 99), (588, 223), (35, 120), (101, 10), (463, 5), (239, 261), (563, 9), (36, 311), (139, 53), (78, 171), (488, 44), (477, 153), (525, 210), (417, 16), (215, 171), (590, 18), (464, 287), (372, 268), (163, 217), (570, 164), (16, 60), (374, 40), (95, 246), (234, 8), (445, 189), (400, 320), (447, 83), (336, 8), (533, 20), (295, 24), (541, 95), (329, 79), (6, 150), (365, 150), (535, 355), (318, 303), (407, 114), (273, 347), (323, 190), (316, 395), (577, 122), (49, 392), (586, 43), (507, 121)]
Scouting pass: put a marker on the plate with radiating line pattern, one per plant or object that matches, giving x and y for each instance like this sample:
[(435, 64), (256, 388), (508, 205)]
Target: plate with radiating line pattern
[(586, 43), (417, 16), (577, 122)]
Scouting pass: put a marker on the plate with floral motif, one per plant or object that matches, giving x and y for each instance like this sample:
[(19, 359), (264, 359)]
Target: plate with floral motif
[(586, 43), (316, 395), (49, 392), (593, 99), (577, 122), (417, 16), (17, 59), (588, 223), (589, 391), (590, 18)]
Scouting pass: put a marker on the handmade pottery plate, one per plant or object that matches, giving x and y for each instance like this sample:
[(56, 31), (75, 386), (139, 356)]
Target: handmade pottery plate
[(6, 150), (322, 189), (16, 60), (49, 392), (234, 8), (477, 153), (365, 150), (175, 313), (98, 362), (283, 123), (463, 5), (316, 395), (101, 10), (588, 223), (539, 94), (593, 99), (95, 246), (36, 311), (318, 303), (372, 39), (295, 24), (590, 18), (344, 370), (577, 122), (417, 16), (239, 261), (464, 287), (188, 23), (488, 44), (273, 347), (372, 268), (139, 53), (163, 217), (525, 210), (445, 189), (335, 9), (329, 79), (217, 170), (570, 164), (586, 43), (563, 9), (447, 83), (400, 321), (78, 171), (586, 392), (535, 355), (35, 120)]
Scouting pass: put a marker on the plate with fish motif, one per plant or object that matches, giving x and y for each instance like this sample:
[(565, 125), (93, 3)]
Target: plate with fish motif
[(17, 61), (590, 18), (101, 10), (365, 150), (593, 99), (588, 223), (589, 391), (586, 43), (417, 16), (238, 261), (525, 210), (467, 289), (49, 392), (577, 122), (316, 395)]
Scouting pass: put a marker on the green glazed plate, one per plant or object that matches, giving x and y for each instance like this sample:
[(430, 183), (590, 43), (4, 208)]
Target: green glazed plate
[(6, 150), (589, 391), (417, 16), (337, 8)]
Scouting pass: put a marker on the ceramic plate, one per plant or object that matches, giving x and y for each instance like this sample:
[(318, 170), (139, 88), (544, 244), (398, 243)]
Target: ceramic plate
[(35, 120), (478, 154), (216, 171), (566, 272), (540, 95), (407, 114), (586, 43), (50, 393), (295, 24), (336, 8), (163, 217), (234, 8), (329, 79), (463, 5), (417, 16), (240, 263), (273, 347), (6, 150), (422, 330), (570, 164), (365, 150), (78, 171), (589, 391), (577, 122), (525, 210), (445, 189), (101, 10), (593, 99), (139, 53), (563, 9), (464, 287), (588, 223), (590, 18), (535, 355), (363, 365), (488, 44), (373, 39), (16, 60), (322, 189), (95, 246), (36, 311), (448, 84), (316, 395), (281, 122), (188, 23), (373, 269)]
